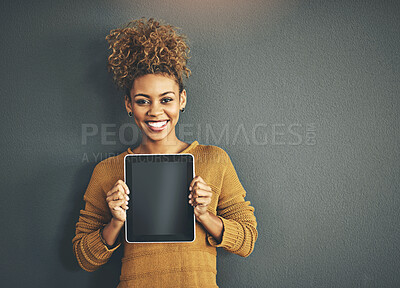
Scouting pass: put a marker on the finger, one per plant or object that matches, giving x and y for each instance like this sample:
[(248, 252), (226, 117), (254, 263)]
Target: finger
[(203, 201), (199, 205), (113, 204), (194, 180), (201, 185), (202, 180), (121, 192), (113, 190), (124, 186), (122, 196), (121, 188), (117, 195), (111, 198), (201, 193), (117, 187), (202, 205)]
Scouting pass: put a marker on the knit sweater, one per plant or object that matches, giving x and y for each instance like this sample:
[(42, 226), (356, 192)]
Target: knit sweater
[(190, 264)]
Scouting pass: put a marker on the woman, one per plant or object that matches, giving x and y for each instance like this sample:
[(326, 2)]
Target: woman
[(148, 60)]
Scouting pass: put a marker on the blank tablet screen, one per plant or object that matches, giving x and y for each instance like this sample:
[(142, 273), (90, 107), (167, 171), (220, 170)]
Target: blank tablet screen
[(158, 206)]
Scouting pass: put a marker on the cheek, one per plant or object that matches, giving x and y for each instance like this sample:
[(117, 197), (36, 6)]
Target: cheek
[(138, 116), (138, 112), (174, 115), (172, 111)]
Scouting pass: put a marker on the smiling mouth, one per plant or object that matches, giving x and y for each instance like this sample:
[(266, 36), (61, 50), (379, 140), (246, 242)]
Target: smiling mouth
[(157, 125)]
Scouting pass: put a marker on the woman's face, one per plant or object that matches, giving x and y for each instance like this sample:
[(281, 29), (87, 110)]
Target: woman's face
[(155, 98)]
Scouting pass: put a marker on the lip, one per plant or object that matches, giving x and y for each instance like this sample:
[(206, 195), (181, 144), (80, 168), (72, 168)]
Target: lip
[(157, 129), (156, 120)]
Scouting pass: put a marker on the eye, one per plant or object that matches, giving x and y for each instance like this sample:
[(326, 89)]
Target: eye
[(141, 101), (169, 99)]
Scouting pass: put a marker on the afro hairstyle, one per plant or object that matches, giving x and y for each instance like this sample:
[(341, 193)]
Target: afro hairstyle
[(143, 47)]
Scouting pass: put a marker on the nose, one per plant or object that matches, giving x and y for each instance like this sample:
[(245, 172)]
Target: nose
[(155, 110)]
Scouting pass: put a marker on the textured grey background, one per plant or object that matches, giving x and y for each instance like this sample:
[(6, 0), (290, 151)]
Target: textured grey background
[(303, 95)]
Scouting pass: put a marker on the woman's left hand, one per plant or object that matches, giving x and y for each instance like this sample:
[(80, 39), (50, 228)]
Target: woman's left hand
[(200, 196)]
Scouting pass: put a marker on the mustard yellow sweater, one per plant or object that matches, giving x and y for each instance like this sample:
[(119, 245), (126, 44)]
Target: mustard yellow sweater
[(168, 264)]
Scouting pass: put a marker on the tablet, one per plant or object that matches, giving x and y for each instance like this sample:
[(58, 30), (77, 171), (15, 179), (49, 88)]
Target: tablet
[(159, 209)]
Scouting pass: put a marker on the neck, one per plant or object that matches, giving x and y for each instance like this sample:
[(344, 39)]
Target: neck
[(163, 146)]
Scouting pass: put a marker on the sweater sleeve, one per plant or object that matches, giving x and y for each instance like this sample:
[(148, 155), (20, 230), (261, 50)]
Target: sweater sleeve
[(239, 233), (89, 247)]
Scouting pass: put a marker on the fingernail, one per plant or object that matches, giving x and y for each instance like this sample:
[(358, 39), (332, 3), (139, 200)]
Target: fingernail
[(190, 188), (190, 195)]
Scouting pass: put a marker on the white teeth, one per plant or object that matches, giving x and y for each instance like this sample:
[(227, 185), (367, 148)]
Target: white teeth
[(157, 124)]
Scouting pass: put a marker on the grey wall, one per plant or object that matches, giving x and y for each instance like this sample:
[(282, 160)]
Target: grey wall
[(303, 95)]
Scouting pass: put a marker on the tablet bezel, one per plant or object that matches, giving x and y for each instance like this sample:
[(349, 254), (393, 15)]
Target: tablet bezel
[(194, 217)]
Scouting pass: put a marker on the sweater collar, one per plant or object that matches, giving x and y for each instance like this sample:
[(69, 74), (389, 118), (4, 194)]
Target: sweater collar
[(190, 147)]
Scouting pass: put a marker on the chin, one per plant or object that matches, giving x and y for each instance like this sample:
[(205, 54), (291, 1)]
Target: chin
[(156, 136)]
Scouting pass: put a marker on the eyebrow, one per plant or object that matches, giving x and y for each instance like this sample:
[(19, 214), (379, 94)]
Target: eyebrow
[(145, 95)]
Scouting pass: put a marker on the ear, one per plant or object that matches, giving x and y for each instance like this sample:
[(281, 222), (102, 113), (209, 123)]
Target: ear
[(128, 106), (182, 100)]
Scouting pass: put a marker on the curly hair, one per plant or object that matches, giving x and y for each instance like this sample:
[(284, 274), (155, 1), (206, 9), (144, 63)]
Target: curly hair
[(143, 47)]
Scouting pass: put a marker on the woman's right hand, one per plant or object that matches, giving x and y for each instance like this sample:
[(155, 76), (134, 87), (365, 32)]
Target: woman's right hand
[(117, 199)]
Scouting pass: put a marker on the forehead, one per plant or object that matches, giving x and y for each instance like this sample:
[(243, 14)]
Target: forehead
[(154, 83)]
